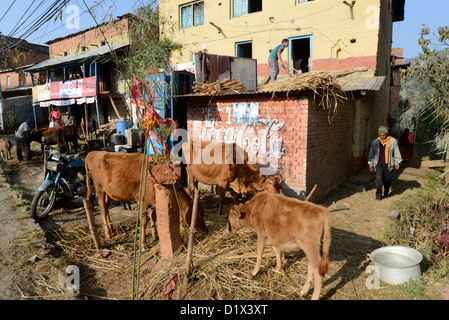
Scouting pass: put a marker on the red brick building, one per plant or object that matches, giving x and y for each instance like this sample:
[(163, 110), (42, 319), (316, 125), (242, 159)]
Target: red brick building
[(21, 55), (16, 82), (289, 132)]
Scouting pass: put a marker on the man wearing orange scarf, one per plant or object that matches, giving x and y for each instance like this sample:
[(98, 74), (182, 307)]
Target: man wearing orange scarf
[(383, 157)]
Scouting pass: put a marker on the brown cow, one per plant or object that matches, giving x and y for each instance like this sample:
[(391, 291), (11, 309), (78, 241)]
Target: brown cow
[(52, 136), (290, 225), (117, 176), (5, 146), (71, 135), (230, 168)]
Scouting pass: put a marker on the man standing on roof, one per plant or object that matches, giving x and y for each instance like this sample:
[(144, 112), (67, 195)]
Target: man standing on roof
[(273, 58)]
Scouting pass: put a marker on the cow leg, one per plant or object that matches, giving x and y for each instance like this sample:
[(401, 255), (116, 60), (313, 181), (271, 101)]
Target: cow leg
[(313, 256), (152, 213), (103, 203), (277, 252), (260, 248), (236, 197), (143, 237), (221, 198)]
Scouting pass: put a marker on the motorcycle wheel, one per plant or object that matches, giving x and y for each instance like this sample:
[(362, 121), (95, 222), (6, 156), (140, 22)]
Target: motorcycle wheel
[(42, 204)]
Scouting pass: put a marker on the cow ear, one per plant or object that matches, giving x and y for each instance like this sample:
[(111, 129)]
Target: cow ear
[(241, 212), (257, 187), (234, 209), (278, 178)]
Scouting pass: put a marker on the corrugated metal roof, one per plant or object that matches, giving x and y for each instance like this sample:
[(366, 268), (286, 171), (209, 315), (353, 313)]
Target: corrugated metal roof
[(357, 84), (76, 57)]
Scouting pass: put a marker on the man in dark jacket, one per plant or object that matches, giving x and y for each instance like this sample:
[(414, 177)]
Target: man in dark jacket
[(383, 157), (23, 140)]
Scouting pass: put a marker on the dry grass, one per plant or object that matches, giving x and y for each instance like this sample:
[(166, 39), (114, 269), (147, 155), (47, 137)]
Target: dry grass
[(222, 264), (327, 90)]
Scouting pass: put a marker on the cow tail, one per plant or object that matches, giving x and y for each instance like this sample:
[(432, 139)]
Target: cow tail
[(324, 263)]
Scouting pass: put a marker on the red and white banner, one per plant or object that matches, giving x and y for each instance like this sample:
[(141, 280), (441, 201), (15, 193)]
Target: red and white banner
[(79, 88)]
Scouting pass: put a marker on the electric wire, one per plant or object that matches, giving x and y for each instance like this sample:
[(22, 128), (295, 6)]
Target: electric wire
[(7, 10), (53, 10)]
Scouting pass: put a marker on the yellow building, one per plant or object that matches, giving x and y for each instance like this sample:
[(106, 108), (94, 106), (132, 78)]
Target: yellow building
[(323, 34)]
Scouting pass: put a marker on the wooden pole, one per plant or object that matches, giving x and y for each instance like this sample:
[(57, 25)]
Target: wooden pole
[(91, 222), (86, 116), (310, 194), (114, 106), (192, 231)]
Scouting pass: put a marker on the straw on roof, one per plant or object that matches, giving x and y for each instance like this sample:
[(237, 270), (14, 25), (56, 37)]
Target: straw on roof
[(324, 86)]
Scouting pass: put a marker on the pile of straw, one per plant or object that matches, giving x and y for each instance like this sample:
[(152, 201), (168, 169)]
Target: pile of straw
[(222, 269), (327, 90), (222, 264)]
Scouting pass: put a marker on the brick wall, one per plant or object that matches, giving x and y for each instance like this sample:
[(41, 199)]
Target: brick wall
[(312, 151), (215, 120), (28, 58), (329, 151), (115, 33)]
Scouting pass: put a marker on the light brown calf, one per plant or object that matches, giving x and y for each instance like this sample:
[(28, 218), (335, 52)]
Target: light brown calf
[(5, 146), (289, 225)]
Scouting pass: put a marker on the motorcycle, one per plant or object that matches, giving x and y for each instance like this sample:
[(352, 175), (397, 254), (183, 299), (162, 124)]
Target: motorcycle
[(65, 179)]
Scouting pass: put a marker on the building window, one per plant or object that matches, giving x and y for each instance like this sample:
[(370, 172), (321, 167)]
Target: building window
[(192, 14), (244, 49), (242, 7), (8, 81), (22, 79)]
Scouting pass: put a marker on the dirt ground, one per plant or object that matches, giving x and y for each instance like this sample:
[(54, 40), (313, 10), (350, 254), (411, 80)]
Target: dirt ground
[(32, 256)]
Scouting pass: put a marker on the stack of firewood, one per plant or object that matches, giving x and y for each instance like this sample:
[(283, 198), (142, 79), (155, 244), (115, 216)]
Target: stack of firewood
[(219, 87)]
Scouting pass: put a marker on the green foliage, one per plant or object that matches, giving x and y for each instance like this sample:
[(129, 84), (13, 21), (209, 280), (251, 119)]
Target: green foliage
[(424, 221), (432, 70), (148, 51)]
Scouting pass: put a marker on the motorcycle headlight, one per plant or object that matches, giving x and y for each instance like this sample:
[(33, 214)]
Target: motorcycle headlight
[(52, 166)]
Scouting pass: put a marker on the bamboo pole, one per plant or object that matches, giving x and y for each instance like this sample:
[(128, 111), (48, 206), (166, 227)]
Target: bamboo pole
[(192, 231)]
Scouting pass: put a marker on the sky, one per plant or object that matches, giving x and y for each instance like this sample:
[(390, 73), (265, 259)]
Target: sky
[(433, 13)]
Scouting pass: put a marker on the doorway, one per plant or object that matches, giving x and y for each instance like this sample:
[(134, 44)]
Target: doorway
[(300, 54)]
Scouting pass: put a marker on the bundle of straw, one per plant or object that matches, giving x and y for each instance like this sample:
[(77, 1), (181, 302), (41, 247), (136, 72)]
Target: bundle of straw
[(323, 84)]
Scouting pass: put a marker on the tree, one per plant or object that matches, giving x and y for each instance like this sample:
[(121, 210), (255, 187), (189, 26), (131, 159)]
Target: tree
[(432, 68)]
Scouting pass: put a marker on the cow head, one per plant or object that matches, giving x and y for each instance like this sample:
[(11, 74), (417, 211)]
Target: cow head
[(234, 217), (271, 184)]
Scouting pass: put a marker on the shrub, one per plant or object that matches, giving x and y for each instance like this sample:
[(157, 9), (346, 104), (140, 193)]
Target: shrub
[(424, 221)]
